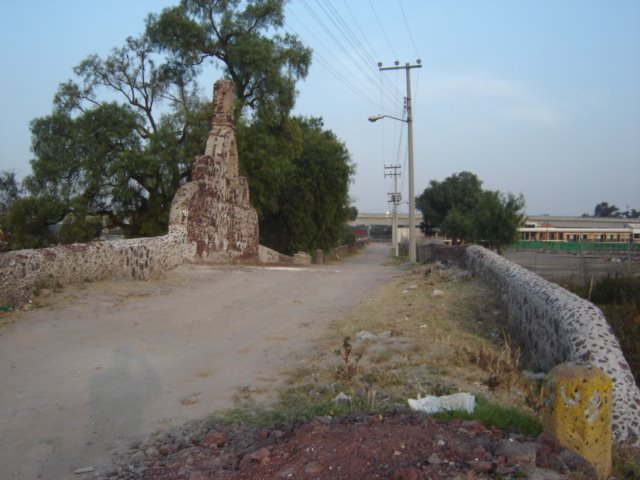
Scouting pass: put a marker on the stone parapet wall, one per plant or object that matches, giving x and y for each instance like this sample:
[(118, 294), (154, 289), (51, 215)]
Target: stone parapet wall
[(267, 255), (211, 221), (557, 326), (24, 272)]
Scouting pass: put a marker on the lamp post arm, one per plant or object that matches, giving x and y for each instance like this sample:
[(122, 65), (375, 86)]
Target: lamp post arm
[(375, 118)]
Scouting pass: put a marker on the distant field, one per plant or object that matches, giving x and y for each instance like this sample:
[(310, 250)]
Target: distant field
[(557, 266)]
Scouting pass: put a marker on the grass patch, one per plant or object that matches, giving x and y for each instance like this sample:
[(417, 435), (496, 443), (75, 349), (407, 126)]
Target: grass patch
[(626, 462), (494, 415), (296, 404)]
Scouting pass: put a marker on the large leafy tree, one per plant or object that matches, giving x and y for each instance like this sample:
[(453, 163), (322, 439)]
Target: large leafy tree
[(263, 64), (267, 152), (460, 208), (314, 202), (122, 134), (496, 219), (455, 195), (117, 145)]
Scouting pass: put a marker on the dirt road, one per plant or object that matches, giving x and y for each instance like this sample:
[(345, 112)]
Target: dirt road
[(101, 364)]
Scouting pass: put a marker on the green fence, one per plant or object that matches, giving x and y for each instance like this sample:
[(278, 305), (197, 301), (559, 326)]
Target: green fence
[(576, 247)]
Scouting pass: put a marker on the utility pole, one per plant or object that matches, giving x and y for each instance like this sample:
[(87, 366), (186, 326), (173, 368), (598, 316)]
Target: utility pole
[(412, 198), (395, 200)]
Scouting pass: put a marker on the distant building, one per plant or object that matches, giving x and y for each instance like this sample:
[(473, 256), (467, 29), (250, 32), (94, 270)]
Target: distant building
[(540, 228), (580, 229)]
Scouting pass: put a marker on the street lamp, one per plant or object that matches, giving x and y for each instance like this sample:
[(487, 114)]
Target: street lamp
[(375, 118), (412, 199)]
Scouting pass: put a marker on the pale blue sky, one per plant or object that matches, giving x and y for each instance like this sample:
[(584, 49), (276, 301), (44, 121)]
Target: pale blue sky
[(540, 97)]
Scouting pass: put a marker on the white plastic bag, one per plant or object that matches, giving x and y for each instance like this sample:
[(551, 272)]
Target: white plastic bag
[(430, 404)]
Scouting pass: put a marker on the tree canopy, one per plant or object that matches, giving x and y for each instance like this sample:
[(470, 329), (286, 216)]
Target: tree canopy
[(461, 209), (314, 201), (263, 65), (123, 132), (9, 190), (604, 210)]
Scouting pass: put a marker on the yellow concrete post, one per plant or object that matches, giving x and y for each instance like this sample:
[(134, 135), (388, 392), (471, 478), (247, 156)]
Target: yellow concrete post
[(577, 412)]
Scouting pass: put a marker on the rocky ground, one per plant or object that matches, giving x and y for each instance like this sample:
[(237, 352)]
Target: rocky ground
[(400, 445)]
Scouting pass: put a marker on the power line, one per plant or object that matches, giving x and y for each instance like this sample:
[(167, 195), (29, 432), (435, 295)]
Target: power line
[(347, 34), (353, 86), (365, 73), (382, 29), (408, 29)]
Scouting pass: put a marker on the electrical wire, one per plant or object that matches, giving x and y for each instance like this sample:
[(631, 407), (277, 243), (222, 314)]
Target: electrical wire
[(382, 29), (336, 73), (408, 29)]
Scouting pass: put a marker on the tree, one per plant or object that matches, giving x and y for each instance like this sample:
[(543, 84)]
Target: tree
[(496, 219), (266, 154), (263, 65), (457, 193), (633, 213), (603, 209), (29, 222), (9, 190), (122, 135), (121, 160), (459, 208), (314, 202)]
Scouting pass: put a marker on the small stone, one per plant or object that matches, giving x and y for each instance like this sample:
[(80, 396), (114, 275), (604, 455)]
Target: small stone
[(434, 459), (576, 463), (164, 449), (505, 470), (287, 472), (408, 473), (534, 376), (342, 399), (517, 453), (152, 452), (312, 468), (374, 419), (541, 474), (441, 443), (473, 426), (214, 439), (137, 457), (479, 453), (481, 466), (82, 470), (437, 293), (364, 335), (277, 434), (261, 455)]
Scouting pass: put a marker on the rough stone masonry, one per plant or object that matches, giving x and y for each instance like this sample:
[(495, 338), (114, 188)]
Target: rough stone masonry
[(557, 326), (211, 221)]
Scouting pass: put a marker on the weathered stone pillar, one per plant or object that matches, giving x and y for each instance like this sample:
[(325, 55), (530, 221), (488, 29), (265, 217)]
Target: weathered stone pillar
[(319, 257), (577, 412)]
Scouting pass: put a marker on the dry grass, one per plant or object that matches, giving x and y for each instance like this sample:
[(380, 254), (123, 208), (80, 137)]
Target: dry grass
[(437, 345), (433, 346)]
